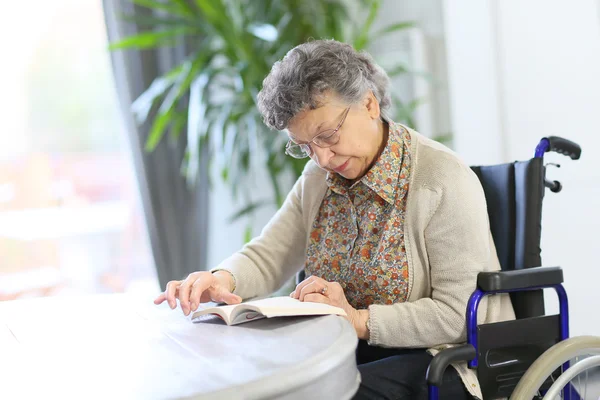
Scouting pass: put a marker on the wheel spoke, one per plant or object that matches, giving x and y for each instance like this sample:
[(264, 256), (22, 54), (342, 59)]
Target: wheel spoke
[(586, 381), (578, 378)]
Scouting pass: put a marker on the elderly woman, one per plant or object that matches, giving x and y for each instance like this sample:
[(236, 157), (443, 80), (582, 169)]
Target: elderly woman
[(387, 224)]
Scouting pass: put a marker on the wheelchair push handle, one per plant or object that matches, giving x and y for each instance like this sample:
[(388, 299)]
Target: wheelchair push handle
[(559, 145)]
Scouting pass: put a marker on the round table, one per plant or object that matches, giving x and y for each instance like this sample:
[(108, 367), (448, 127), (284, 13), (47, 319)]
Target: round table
[(123, 347)]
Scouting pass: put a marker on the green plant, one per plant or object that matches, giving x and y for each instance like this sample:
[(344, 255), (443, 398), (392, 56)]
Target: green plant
[(211, 95)]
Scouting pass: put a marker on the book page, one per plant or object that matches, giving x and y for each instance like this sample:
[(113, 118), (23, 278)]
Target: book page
[(224, 312), (287, 306), (245, 315)]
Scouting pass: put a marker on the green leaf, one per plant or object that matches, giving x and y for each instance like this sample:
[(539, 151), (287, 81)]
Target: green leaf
[(197, 127), (197, 106), (404, 112), (362, 39), (192, 73), (405, 69), (158, 130), (335, 14), (412, 106), (283, 22), (188, 72), (245, 159), (155, 22), (248, 234), (172, 97), (397, 70), (248, 209), (176, 9), (190, 167), (213, 10), (215, 13), (225, 174), (143, 104), (146, 40), (394, 28), (179, 121), (274, 169), (229, 141), (266, 32), (185, 7)]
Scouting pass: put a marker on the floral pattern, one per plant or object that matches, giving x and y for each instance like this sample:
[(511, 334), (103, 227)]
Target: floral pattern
[(357, 238)]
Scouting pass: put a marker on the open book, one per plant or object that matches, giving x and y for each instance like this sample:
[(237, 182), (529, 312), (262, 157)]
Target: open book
[(283, 306)]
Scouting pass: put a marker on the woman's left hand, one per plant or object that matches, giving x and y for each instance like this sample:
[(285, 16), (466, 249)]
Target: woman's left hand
[(318, 290)]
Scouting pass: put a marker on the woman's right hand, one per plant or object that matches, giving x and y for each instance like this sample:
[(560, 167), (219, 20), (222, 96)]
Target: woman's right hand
[(199, 287)]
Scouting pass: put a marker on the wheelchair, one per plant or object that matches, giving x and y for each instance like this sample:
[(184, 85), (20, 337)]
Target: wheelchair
[(529, 357)]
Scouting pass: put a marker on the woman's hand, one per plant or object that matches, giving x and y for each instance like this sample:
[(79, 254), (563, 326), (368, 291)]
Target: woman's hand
[(199, 287), (318, 290)]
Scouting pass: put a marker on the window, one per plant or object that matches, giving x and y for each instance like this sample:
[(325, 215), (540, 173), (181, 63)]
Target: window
[(70, 215)]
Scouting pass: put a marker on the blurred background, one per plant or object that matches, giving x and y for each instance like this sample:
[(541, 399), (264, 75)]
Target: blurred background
[(132, 152), (71, 220)]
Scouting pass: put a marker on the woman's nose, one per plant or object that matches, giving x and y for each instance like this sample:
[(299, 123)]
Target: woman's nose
[(322, 156)]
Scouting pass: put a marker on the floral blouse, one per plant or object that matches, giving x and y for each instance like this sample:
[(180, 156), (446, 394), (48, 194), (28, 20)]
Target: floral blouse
[(357, 238)]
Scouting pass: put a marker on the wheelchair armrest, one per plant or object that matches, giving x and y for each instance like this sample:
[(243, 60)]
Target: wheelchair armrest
[(520, 279), (443, 359)]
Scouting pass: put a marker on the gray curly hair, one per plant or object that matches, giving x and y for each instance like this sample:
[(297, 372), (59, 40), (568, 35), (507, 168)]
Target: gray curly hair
[(295, 83)]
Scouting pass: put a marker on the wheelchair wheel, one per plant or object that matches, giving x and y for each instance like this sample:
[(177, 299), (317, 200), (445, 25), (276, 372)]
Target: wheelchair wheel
[(551, 360), (583, 366)]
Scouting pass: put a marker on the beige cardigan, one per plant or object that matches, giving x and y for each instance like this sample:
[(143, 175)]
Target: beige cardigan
[(447, 238)]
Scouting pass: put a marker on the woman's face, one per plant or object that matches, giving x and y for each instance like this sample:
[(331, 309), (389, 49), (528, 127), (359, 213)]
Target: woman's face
[(360, 136)]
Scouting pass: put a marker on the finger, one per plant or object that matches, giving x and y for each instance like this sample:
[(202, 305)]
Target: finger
[(335, 287), (199, 286), (306, 289), (162, 297), (301, 285), (231, 298), (314, 287), (171, 293), (316, 298), (184, 293), (222, 295)]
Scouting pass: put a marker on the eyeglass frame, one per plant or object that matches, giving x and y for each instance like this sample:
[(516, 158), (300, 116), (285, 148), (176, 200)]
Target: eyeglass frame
[(291, 143)]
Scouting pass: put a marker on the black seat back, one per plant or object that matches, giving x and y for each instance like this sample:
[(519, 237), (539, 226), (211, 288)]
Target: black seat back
[(514, 193)]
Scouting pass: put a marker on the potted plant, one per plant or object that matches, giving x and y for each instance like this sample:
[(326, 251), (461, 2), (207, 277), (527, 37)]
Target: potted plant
[(211, 94)]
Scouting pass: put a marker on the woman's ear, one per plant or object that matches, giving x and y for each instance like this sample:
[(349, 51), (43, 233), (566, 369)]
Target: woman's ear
[(372, 105)]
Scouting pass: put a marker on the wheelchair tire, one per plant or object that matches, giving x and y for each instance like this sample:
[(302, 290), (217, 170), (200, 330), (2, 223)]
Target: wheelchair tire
[(569, 374), (550, 360)]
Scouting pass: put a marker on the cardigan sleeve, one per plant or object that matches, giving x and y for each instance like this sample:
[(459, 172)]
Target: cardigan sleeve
[(269, 260), (458, 247)]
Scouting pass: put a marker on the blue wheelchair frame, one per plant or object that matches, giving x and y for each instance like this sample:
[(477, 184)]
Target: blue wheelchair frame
[(475, 299), (472, 308)]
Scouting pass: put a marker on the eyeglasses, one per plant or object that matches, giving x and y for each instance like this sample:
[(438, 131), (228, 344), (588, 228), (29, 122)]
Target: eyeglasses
[(324, 139)]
